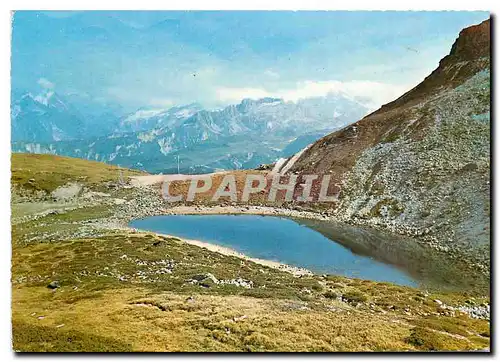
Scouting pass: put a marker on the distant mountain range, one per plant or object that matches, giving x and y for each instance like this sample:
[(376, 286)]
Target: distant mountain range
[(47, 116), (44, 118), (238, 136)]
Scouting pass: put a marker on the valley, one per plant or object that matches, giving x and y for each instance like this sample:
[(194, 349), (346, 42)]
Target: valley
[(397, 259), (76, 257)]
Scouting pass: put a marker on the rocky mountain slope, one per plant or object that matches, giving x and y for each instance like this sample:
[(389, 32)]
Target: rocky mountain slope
[(420, 165), (43, 118), (239, 136), (145, 119)]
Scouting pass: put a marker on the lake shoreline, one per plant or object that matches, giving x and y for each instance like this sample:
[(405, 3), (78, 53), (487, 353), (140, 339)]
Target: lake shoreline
[(126, 218), (154, 206), (245, 210), (296, 271), (148, 203)]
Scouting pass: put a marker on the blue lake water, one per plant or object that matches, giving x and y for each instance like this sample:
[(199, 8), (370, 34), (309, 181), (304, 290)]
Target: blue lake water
[(279, 239)]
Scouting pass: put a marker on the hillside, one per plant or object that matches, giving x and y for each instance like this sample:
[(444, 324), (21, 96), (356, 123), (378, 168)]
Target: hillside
[(81, 281), (45, 173), (420, 165)]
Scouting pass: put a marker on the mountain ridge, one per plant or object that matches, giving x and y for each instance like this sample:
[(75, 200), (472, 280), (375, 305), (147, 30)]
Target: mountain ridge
[(151, 139), (420, 165)]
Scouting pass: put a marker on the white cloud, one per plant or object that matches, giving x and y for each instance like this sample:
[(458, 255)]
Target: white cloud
[(161, 102), (231, 95), (377, 93), (45, 83), (271, 74), (137, 97)]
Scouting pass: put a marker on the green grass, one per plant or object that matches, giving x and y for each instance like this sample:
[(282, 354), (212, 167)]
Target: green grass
[(49, 172), (94, 266), (428, 340), (98, 264), (354, 297), (64, 223), (30, 338), (116, 295)]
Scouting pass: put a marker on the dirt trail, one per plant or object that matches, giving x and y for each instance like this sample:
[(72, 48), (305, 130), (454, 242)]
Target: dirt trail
[(158, 179)]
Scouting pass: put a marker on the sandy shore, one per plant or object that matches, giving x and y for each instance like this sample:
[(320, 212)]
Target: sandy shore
[(238, 210), (231, 252), (150, 180)]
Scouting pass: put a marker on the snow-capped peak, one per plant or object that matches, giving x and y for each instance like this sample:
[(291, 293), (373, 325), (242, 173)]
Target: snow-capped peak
[(44, 97), (142, 114)]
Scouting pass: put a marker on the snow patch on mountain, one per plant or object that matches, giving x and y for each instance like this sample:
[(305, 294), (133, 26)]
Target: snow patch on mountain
[(113, 155), (242, 135), (142, 114), (165, 146), (44, 98)]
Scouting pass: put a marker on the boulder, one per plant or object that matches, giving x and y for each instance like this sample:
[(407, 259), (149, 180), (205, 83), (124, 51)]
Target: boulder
[(54, 284)]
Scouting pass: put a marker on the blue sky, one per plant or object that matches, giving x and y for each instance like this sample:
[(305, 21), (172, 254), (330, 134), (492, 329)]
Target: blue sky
[(161, 59)]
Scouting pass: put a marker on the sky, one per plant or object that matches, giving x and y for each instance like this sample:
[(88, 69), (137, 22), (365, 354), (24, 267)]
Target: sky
[(160, 59)]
